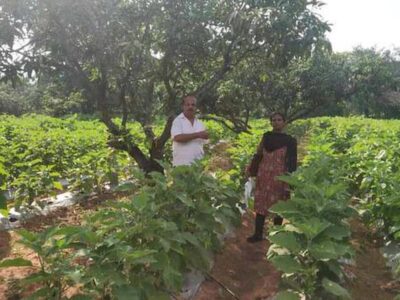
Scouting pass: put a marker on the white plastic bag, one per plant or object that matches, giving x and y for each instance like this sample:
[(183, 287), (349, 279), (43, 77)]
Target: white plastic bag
[(248, 188)]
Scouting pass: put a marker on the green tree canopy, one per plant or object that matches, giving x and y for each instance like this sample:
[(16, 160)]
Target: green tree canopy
[(137, 58)]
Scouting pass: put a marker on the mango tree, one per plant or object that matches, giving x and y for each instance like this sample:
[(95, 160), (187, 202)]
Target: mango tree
[(135, 59)]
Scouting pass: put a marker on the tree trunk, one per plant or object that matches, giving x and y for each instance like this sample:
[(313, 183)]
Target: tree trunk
[(121, 138)]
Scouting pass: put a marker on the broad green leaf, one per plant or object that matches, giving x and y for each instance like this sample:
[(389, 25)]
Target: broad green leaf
[(127, 293), (286, 263), (324, 250), (140, 256), (165, 244), (107, 273), (312, 227), (57, 185), (191, 238), (291, 228), (184, 198), (293, 181), (37, 277), (158, 295), (16, 262), (81, 297), (285, 209), (334, 266), (75, 276), (334, 189), (337, 232), (275, 249), (3, 202), (125, 187), (172, 278), (286, 295), (335, 289), (68, 230), (287, 240), (141, 200), (42, 293)]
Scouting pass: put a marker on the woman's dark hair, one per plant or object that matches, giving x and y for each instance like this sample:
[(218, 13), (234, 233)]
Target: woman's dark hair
[(277, 114)]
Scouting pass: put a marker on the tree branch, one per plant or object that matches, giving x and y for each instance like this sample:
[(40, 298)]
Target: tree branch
[(238, 125)]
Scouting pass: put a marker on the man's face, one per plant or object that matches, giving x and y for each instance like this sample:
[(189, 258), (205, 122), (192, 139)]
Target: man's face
[(277, 123), (189, 106)]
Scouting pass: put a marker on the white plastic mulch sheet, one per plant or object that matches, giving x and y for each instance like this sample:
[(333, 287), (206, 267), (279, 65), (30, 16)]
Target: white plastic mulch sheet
[(14, 217)]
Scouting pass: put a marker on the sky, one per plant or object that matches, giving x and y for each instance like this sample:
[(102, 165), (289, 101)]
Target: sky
[(365, 23)]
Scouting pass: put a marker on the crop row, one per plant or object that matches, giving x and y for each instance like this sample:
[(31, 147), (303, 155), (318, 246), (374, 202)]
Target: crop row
[(348, 158), (139, 247)]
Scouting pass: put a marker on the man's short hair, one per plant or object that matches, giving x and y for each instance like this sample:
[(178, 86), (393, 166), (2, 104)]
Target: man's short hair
[(188, 96)]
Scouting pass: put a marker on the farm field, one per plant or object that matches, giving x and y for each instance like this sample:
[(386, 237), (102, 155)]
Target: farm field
[(135, 237)]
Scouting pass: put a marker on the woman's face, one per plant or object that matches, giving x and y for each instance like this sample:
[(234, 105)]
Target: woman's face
[(277, 123)]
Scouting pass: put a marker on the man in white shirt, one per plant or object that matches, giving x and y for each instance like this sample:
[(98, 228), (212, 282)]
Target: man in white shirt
[(188, 134)]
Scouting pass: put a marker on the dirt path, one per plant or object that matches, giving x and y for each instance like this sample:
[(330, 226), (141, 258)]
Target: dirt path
[(242, 268), (372, 279)]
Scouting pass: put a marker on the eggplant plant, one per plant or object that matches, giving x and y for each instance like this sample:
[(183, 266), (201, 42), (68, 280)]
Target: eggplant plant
[(308, 248)]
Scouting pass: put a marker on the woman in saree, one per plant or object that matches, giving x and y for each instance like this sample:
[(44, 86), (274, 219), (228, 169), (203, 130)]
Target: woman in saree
[(276, 155)]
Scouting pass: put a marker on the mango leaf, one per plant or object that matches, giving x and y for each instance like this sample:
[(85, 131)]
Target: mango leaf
[(16, 262), (335, 289), (286, 240), (286, 295), (286, 263)]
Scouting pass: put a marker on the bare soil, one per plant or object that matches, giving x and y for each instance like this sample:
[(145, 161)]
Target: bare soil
[(241, 268)]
